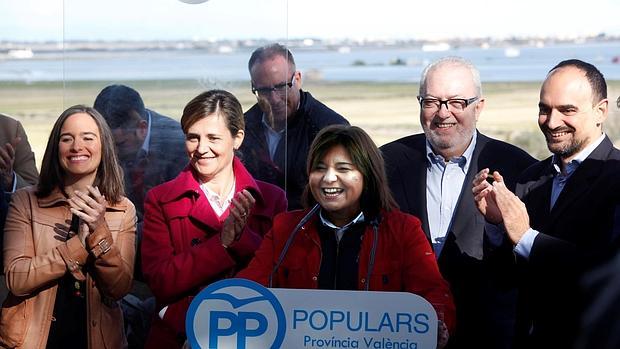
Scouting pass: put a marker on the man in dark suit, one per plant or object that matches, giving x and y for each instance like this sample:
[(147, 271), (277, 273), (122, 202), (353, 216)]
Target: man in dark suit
[(280, 127), (151, 146), (430, 176), (564, 221)]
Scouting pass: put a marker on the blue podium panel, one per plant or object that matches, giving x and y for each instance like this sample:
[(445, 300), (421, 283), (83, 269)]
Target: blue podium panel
[(238, 313)]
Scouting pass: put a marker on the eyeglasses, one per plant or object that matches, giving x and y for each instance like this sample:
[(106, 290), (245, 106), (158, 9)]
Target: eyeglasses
[(279, 89), (452, 104)]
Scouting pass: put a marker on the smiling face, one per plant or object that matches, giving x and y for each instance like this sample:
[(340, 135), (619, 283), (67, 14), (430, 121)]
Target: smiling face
[(337, 185), (568, 116), (79, 148), (450, 132), (210, 147)]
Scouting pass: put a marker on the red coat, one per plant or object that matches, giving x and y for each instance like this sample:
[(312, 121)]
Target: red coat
[(181, 247), (404, 260)]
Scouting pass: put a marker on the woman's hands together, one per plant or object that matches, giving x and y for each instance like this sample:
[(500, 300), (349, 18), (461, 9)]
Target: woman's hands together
[(239, 210), (90, 207)]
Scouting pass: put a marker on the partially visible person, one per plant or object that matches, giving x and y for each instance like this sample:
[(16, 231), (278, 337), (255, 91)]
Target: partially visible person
[(352, 235), (17, 165), (564, 220), (69, 243), (149, 145), (600, 325), (205, 224), (430, 175), (17, 168), (150, 148), (282, 124)]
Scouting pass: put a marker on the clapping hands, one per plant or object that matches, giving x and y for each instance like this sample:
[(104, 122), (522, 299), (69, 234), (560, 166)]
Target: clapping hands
[(499, 205), (240, 208), (90, 207), (7, 160)]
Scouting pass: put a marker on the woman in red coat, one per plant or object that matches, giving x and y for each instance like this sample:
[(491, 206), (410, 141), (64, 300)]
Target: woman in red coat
[(205, 224), (354, 237)]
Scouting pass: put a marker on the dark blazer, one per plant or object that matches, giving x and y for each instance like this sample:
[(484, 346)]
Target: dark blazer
[(165, 160), (579, 234), (24, 165), (479, 270)]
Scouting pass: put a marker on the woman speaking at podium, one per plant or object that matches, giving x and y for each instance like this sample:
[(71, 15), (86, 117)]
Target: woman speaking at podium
[(352, 236)]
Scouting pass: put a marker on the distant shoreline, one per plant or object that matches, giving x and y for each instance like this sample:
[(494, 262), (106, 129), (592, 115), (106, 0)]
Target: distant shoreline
[(225, 46)]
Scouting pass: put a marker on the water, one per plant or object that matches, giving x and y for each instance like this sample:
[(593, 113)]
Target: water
[(531, 64)]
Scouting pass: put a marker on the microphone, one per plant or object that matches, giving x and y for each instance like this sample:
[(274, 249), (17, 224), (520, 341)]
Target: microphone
[(375, 241), (291, 237)]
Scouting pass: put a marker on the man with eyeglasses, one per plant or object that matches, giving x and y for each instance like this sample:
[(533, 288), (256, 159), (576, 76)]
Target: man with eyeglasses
[(430, 175), (280, 127), (564, 220)]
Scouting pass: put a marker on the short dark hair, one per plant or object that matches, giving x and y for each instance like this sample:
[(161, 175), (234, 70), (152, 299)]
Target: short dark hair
[(118, 104), (265, 52), (594, 76), (366, 157), (109, 176), (210, 102)]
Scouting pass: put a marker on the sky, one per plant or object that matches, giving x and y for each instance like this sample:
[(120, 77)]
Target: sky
[(39, 20)]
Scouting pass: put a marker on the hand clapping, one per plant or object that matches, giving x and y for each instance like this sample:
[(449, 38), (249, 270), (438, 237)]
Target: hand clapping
[(7, 160), (484, 196), (90, 207), (499, 205), (240, 208)]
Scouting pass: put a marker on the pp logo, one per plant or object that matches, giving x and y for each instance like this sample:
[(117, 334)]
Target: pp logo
[(235, 313)]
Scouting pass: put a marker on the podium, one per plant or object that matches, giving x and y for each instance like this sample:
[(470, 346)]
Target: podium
[(241, 314)]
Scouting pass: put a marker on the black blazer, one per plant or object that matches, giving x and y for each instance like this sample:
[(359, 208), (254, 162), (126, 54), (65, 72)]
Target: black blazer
[(480, 273), (579, 234)]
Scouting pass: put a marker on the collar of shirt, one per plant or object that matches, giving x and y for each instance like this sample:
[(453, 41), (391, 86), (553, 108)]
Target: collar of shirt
[(462, 161), (338, 230), (273, 138), (218, 206), (577, 160), (147, 140), (269, 129)]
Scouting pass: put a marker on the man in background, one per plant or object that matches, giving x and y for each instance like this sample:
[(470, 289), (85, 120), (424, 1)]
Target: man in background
[(430, 176), (17, 164), (17, 170), (151, 151), (280, 127), (564, 221), (150, 146)]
